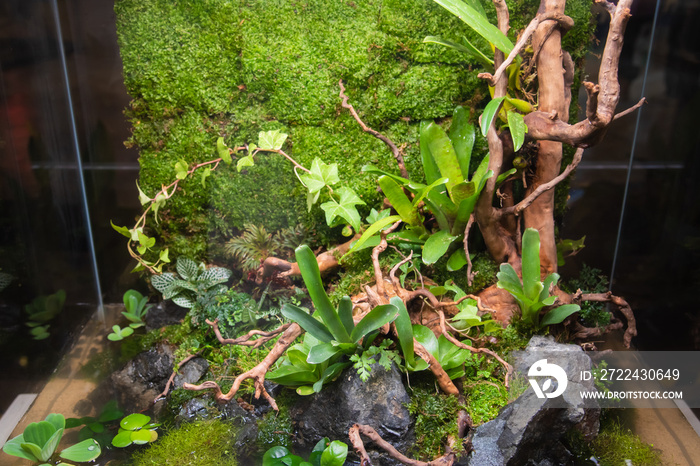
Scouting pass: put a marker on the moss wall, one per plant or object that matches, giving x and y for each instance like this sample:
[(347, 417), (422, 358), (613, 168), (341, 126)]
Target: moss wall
[(200, 69)]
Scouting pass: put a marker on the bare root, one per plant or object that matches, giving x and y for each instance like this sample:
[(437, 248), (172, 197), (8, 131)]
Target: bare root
[(622, 306), (369, 432), (245, 340), (257, 373), (164, 393)]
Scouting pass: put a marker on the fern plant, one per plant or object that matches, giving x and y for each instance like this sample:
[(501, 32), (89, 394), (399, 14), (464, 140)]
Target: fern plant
[(252, 246), (191, 283)]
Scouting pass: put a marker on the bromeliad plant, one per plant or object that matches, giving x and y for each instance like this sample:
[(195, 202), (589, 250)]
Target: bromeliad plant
[(335, 330), (531, 293), (39, 440), (450, 195)]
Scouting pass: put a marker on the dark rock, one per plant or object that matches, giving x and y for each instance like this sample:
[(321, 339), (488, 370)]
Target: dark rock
[(191, 372), (164, 313), (143, 378), (529, 431), (380, 403)]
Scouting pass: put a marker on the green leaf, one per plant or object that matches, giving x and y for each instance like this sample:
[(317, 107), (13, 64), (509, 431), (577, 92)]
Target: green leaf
[(373, 230), (271, 140), (478, 22), (223, 151), (518, 128), (532, 286), (292, 376), (307, 322), (246, 161), (436, 246), (205, 173), (330, 374), (462, 135), (444, 154), (376, 318), (335, 454), (376, 171), (558, 314), (142, 196), (141, 437), (39, 433), (489, 114), (467, 48), (134, 421), (121, 230), (345, 313), (344, 208), (82, 452), (33, 450), (14, 447), (398, 200), (404, 330), (163, 256), (426, 337), (320, 175), (508, 280), (457, 260), (322, 353), (181, 169), (272, 457)]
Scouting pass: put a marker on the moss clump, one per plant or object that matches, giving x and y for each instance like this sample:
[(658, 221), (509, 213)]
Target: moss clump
[(196, 443), (484, 400), (436, 419), (275, 428)]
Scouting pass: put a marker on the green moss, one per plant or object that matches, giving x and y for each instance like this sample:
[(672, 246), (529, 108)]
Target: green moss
[(436, 419), (484, 400), (196, 443), (275, 428)]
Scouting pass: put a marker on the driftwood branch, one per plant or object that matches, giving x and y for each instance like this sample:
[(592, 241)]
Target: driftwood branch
[(246, 340), (622, 306), (367, 431), (257, 373), (165, 391), (390, 144)]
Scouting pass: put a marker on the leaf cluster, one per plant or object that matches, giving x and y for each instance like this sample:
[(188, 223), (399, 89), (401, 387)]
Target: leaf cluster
[(191, 282), (39, 440), (41, 311), (324, 453), (531, 293)]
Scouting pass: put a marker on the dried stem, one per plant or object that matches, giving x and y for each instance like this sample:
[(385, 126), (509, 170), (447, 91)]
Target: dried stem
[(394, 150)]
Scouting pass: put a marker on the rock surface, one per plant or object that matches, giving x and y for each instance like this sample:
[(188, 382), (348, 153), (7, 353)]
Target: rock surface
[(529, 431), (380, 403)]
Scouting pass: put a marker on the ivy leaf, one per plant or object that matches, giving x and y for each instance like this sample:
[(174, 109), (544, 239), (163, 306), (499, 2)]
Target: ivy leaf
[(181, 170), (223, 151), (145, 242), (518, 128), (375, 216), (489, 114), (344, 208), (251, 148), (320, 176), (271, 140), (121, 230), (163, 256), (243, 162), (311, 199), (142, 196), (158, 202), (205, 173)]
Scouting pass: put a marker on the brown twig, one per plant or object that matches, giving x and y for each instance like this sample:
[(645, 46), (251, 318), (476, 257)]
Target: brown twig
[(367, 431), (164, 393), (467, 229), (257, 373), (376, 251), (544, 187), (624, 308), (245, 340), (394, 150), (631, 109)]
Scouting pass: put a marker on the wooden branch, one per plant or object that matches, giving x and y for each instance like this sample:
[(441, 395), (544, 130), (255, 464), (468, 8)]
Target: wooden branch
[(257, 373), (394, 150), (245, 340), (443, 379), (467, 229), (622, 306), (602, 107), (631, 109), (367, 431), (525, 203), (164, 393), (376, 251), (564, 21)]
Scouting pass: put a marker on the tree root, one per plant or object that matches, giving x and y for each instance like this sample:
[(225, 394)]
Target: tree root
[(164, 393), (367, 431), (622, 306), (245, 340), (257, 373)]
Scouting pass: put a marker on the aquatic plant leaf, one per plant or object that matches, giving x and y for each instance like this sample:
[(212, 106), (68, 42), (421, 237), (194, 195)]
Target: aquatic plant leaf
[(14, 447), (87, 450), (141, 437), (532, 286), (404, 330), (134, 421), (122, 439), (457, 260)]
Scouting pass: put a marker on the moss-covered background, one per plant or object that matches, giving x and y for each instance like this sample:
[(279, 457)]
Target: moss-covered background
[(200, 69)]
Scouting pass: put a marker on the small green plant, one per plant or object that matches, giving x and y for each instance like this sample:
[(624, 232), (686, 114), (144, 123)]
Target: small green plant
[(137, 429), (251, 247), (97, 427), (531, 293), (381, 355), (41, 311), (436, 419), (39, 440), (190, 283), (590, 280), (136, 308), (119, 333), (337, 332), (325, 453), (235, 312)]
